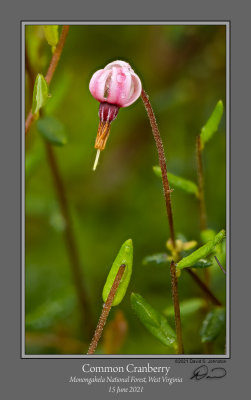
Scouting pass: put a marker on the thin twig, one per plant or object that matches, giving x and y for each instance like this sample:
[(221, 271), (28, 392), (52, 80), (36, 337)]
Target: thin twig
[(221, 267), (176, 305), (53, 64), (162, 162), (106, 310), (70, 241), (204, 287)]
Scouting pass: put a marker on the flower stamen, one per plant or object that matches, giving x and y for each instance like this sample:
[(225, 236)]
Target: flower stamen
[(102, 135), (96, 160)]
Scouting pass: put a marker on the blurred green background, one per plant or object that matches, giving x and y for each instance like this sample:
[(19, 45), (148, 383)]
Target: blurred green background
[(182, 68)]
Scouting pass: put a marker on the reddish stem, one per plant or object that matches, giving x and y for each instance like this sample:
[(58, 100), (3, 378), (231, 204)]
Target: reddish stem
[(106, 310), (162, 162), (176, 305)]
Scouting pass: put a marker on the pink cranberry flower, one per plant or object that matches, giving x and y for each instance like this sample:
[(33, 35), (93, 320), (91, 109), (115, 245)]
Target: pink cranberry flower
[(115, 86)]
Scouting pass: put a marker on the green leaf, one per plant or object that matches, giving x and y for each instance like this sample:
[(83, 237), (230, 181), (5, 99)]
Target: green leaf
[(202, 263), (153, 320), (202, 252), (51, 34), (187, 307), (178, 182), (158, 258), (213, 324), (52, 130), (212, 124), (40, 93), (125, 256)]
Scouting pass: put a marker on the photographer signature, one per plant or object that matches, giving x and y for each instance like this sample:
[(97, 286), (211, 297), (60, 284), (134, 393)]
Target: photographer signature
[(203, 372)]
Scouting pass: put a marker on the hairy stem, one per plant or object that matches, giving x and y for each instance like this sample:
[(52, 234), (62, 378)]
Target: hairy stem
[(176, 305), (53, 64), (106, 310), (204, 287), (162, 162), (70, 242)]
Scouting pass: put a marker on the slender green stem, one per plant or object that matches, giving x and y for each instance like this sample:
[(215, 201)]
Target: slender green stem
[(70, 242), (162, 162), (53, 64), (176, 305), (105, 311)]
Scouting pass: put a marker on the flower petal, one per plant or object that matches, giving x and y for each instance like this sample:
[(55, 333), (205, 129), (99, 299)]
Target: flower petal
[(116, 84), (136, 88), (120, 84), (119, 64), (98, 83)]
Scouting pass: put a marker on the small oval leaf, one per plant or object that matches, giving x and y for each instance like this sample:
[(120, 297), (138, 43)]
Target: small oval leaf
[(202, 252), (158, 258), (40, 93), (213, 324), (212, 124), (179, 182), (51, 34), (153, 320), (125, 256), (52, 130)]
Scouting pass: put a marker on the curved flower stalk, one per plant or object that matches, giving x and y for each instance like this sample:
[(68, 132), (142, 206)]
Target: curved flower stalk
[(114, 87), (117, 86)]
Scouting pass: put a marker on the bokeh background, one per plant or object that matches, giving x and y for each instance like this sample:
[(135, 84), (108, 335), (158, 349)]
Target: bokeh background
[(183, 70)]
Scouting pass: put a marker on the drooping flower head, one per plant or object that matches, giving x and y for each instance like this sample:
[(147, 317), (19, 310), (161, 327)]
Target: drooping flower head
[(115, 86)]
